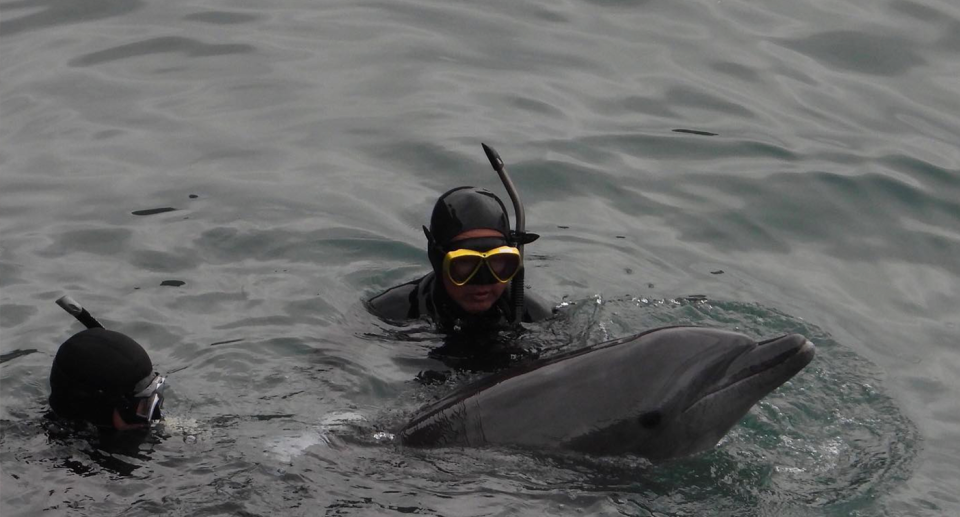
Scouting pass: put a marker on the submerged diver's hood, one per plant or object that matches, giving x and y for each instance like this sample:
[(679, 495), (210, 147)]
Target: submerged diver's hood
[(463, 209), (92, 371)]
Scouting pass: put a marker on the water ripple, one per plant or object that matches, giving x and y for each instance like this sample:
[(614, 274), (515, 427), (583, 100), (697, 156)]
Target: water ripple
[(53, 13), (162, 45)]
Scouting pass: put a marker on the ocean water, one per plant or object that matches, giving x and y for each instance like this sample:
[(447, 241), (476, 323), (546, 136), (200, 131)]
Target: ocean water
[(226, 181)]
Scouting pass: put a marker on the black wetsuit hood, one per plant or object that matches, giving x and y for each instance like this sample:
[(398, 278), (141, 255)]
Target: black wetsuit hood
[(92, 373), (460, 210)]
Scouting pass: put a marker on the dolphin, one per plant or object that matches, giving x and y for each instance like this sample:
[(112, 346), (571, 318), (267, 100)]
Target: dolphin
[(661, 394)]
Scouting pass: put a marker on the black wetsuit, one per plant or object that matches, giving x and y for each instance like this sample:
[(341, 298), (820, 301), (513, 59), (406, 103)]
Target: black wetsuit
[(425, 298)]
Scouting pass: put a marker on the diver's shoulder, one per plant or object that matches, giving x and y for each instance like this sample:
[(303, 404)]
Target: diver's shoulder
[(398, 303)]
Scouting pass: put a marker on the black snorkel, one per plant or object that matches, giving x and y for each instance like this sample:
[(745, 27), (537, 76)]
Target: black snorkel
[(70, 305), (519, 234)]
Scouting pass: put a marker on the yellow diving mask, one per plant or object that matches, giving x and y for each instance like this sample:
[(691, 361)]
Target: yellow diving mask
[(463, 265)]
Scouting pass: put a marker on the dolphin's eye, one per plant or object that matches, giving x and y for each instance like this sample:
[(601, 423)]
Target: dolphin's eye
[(650, 420)]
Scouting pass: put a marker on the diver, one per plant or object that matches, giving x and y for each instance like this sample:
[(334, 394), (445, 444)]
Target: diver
[(475, 258), (104, 378)]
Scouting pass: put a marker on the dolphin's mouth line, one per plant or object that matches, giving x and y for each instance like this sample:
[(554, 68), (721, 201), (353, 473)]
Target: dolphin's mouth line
[(753, 370), (760, 367)]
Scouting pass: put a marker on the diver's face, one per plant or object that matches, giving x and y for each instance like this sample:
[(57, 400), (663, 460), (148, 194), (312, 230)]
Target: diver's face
[(473, 298), (122, 425)]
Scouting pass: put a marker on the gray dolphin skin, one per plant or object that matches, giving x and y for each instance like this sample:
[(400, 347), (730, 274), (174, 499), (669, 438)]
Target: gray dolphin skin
[(661, 394)]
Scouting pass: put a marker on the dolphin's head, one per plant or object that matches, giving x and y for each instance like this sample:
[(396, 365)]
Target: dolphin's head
[(660, 394), (692, 403)]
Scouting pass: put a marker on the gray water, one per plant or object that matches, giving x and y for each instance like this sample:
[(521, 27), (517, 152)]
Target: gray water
[(813, 186)]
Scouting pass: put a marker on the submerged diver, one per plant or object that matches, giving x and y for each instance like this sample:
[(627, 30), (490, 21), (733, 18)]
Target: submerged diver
[(474, 256), (105, 378)]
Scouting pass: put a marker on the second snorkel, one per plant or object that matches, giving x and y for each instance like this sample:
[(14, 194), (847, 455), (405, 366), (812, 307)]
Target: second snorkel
[(519, 234), (70, 305)]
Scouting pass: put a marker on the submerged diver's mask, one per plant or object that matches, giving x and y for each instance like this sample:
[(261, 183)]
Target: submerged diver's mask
[(144, 406), (483, 260)]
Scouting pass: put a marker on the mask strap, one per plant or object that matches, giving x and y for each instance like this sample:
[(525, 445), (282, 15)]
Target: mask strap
[(430, 240)]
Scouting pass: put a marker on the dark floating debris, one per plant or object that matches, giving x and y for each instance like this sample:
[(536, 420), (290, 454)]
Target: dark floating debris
[(649, 286), (172, 283), (694, 132), (153, 211), (695, 298), (15, 354), (194, 196), (628, 271), (226, 342), (717, 272), (264, 418), (563, 227), (621, 236)]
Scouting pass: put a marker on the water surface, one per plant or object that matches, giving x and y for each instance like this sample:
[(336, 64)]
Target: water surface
[(226, 181)]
